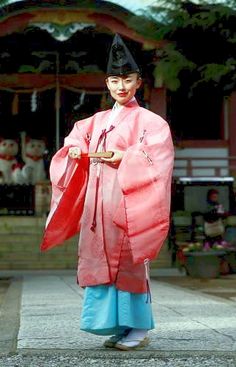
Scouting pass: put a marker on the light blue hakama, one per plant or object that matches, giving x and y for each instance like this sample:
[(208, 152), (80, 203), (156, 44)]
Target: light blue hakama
[(109, 311)]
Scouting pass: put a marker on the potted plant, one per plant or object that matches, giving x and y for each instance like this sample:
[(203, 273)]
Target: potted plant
[(202, 261)]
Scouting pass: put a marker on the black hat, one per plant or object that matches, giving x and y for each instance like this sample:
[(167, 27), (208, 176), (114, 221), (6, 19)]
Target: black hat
[(120, 62)]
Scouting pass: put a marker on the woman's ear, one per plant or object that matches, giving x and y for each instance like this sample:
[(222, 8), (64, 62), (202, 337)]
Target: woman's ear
[(139, 82), (107, 83)]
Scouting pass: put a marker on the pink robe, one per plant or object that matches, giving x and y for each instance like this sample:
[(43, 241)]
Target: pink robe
[(133, 200)]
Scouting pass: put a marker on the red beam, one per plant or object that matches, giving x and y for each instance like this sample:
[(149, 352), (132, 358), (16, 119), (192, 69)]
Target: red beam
[(37, 81)]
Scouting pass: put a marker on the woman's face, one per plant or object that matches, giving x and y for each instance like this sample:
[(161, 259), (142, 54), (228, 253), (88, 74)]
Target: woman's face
[(214, 197), (123, 88)]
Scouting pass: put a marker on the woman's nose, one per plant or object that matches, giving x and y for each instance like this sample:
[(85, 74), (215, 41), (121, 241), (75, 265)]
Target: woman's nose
[(121, 84)]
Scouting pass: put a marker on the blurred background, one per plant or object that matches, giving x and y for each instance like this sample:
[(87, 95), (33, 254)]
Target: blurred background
[(53, 57)]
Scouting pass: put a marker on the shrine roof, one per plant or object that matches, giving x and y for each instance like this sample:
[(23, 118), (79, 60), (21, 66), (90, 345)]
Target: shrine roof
[(16, 15)]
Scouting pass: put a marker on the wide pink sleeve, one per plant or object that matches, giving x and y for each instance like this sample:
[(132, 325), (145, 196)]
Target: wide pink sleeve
[(64, 218), (144, 176), (69, 182), (62, 166)]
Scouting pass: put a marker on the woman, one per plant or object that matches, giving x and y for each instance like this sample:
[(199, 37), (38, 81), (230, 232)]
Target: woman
[(122, 205), (213, 225)]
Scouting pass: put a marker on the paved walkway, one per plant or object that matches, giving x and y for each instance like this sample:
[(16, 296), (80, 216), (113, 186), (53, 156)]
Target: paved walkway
[(190, 326)]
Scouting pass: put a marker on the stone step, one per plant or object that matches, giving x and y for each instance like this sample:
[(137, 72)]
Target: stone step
[(21, 230), (20, 238)]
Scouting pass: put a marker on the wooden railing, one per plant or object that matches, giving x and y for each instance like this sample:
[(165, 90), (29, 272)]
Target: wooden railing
[(217, 164)]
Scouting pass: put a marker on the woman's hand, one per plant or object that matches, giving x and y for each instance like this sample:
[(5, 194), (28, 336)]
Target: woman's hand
[(115, 159), (74, 152)]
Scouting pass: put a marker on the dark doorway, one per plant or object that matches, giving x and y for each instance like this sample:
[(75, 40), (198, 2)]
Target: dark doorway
[(196, 115)]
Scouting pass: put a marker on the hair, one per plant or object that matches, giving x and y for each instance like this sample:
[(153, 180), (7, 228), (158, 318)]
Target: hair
[(211, 192), (139, 76)]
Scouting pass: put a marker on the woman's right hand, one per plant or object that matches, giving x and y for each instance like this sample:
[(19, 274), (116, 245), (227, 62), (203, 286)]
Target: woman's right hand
[(74, 152)]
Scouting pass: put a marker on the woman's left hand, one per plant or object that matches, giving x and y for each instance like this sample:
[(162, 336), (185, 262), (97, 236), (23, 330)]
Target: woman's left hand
[(116, 158)]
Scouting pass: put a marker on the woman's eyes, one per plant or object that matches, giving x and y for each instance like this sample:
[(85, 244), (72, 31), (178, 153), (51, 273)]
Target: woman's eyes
[(125, 80)]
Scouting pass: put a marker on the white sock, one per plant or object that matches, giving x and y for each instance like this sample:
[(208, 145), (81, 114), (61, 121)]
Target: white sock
[(134, 336)]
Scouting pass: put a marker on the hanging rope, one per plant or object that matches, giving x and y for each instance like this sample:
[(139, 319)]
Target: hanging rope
[(51, 86), (34, 101), (19, 91)]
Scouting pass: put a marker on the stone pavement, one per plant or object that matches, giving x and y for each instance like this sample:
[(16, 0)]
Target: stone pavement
[(224, 286), (39, 327)]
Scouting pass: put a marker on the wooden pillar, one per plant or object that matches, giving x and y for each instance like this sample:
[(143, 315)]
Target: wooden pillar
[(232, 129), (158, 101)]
